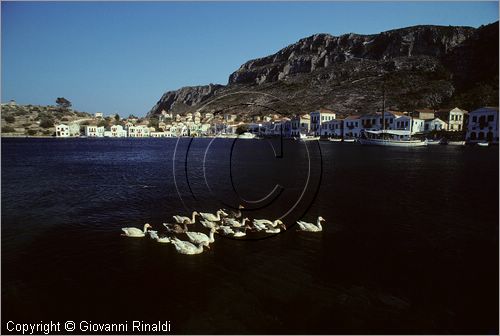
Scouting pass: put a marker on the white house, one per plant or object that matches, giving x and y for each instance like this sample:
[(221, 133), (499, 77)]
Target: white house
[(117, 131), (107, 134), (332, 128), (373, 121), (229, 117), (94, 131), (160, 134), (418, 126), (319, 117), (300, 125), (98, 115), (435, 124), (454, 118), (140, 131), (62, 131), (352, 126), (483, 125)]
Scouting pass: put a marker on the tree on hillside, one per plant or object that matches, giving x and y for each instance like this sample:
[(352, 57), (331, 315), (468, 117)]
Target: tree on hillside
[(117, 117), (63, 103), (153, 122), (104, 122), (46, 123)]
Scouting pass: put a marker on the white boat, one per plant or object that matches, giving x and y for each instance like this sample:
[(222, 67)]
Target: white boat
[(305, 137), (349, 140), (310, 138), (335, 139), (456, 143), (227, 136), (246, 135), (483, 144), (434, 141), (395, 138)]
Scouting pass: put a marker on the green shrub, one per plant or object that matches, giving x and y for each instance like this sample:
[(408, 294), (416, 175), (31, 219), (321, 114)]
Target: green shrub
[(31, 132), (46, 123), (10, 119)]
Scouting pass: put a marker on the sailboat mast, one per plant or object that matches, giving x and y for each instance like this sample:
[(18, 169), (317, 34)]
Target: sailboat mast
[(383, 109)]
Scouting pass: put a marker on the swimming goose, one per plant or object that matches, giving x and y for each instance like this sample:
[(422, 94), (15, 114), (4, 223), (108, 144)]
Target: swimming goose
[(276, 229), (186, 220), (227, 230), (198, 237), (257, 226), (135, 232), (175, 228), (267, 222), (237, 213), (209, 224), (153, 234), (304, 226), (234, 223), (241, 232), (211, 217), (184, 247), (163, 240)]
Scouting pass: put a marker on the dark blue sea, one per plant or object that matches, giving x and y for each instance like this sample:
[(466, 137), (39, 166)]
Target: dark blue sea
[(410, 243)]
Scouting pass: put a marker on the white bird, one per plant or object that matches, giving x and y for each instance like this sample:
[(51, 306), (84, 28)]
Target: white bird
[(153, 234), (257, 226), (276, 229), (135, 232), (234, 223), (186, 220), (268, 223), (304, 226), (209, 224), (227, 230), (199, 238), (241, 232), (175, 228), (212, 217), (163, 240), (184, 247)]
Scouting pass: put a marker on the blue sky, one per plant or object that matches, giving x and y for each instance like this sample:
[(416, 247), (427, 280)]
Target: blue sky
[(120, 57)]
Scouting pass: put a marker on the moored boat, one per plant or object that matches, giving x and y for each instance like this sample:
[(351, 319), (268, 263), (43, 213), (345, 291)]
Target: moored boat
[(395, 138), (335, 139), (246, 135), (349, 140), (434, 141), (309, 138), (456, 143), (483, 144)]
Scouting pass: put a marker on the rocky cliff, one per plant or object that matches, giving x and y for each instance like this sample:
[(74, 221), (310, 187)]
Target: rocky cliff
[(420, 66)]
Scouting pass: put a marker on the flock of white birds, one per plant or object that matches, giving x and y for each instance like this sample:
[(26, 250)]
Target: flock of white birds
[(221, 223)]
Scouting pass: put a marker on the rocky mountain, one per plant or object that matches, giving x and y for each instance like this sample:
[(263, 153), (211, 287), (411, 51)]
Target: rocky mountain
[(420, 66)]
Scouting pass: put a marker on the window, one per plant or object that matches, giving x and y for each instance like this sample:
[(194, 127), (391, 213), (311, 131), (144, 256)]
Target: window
[(491, 117), (474, 119)]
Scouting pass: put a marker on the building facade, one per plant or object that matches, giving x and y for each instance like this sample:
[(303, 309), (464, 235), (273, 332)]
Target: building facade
[(94, 131), (483, 125), (62, 131), (319, 117)]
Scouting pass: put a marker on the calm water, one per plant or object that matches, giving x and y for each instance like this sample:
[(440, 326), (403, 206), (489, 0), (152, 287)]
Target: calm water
[(410, 244)]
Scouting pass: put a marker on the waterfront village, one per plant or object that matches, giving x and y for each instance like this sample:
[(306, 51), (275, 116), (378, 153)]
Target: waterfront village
[(480, 125)]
